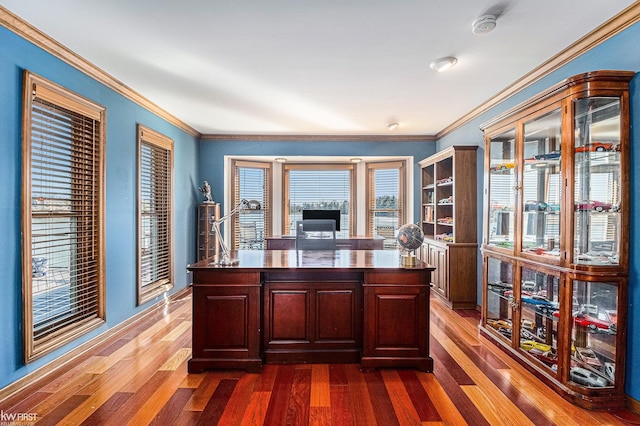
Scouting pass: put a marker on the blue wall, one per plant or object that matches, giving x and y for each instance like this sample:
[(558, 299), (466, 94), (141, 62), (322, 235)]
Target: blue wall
[(618, 53), (121, 195), (211, 159)]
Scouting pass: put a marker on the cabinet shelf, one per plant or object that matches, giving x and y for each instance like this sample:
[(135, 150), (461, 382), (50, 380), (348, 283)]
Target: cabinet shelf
[(555, 248)]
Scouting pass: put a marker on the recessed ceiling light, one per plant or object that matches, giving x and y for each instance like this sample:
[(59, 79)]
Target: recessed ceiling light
[(483, 24), (443, 64), (392, 126)]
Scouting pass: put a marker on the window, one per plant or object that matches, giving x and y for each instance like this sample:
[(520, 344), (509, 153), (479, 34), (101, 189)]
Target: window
[(155, 260), (251, 182), (62, 216), (320, 187), (386, 186)]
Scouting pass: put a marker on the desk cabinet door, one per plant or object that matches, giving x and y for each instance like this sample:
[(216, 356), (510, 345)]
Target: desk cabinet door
[(396, 326), (226, 327)]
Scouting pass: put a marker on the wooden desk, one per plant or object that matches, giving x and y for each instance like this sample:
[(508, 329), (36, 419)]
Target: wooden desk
[(310, 307), (353, 243)]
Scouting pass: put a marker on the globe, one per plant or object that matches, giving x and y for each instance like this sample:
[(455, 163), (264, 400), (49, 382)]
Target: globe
[(410, 236)]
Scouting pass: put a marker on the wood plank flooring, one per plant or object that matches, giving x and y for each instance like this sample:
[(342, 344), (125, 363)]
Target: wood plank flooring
[(140, 378)]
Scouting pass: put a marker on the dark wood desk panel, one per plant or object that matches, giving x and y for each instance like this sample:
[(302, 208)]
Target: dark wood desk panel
[(311, 306)]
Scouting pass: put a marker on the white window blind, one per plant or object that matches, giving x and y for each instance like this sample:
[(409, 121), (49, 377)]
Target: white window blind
[(63, 204), (385, 200), (321, 187), (155, 261), (252, 182)]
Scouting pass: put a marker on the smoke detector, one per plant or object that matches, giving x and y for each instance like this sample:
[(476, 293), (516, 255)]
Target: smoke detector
[(483, 24)]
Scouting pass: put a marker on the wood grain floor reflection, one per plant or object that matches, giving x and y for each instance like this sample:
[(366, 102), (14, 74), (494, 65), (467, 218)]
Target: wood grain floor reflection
[(139, 377)]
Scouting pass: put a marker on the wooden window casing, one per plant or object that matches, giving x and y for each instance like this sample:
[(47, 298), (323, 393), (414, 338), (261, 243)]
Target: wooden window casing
[(394, 188), (155, 214), (63, 246)]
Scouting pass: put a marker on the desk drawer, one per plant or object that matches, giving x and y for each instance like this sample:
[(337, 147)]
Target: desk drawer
[(396, 277)]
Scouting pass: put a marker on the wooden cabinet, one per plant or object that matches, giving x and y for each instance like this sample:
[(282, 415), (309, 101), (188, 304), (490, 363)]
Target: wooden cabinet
[(206, 240), (310, 319), (555, 246), (396, 306), (448, 220), (310, 307), (226, 321)]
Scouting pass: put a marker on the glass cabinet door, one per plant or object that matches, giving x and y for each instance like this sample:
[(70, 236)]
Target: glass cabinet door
[(542, 185), (539, 315), (593, 333), (501, 189), (597, 181), (499, 297)]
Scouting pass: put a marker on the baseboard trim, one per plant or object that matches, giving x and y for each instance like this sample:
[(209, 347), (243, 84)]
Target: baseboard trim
[(58, 363)]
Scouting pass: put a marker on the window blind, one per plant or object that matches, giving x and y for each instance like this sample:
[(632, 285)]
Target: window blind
[(63, 249), (251, 182), (155, 214), (385, 200), (322, 187)]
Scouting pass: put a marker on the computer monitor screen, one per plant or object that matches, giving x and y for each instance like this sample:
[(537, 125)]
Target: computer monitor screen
[(323, 214)]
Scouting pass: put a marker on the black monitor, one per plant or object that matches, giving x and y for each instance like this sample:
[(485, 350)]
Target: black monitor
[(322, 214)]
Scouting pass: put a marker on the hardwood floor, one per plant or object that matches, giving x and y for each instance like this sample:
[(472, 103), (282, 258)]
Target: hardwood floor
[(140, 377)]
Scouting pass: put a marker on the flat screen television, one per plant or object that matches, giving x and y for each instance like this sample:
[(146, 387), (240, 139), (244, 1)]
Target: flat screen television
[(323, 214)]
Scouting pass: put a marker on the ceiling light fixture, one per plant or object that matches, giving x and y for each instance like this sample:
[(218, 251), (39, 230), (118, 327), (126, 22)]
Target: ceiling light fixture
[(392, 126), (483, 24), (356, 160), (281, 160), (443, 64)]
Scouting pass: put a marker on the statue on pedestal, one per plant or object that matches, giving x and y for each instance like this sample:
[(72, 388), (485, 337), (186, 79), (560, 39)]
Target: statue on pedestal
[(206, 190)]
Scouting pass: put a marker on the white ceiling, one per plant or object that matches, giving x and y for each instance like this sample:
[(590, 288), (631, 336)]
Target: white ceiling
[(305, 67)]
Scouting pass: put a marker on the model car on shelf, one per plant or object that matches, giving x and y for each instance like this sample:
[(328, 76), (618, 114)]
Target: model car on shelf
[(588, 357), (546, 357), (444, 180), (447, 237), (610, 370), (535, 250), (499, 287), (598, 206), (595, 146), (527, 324), (499, 324), (529, 286), (527, 345), (547, 309), (446, 220), (503, 166), (505, 244), (553, 155), (535, 206), (594, 324), (584, 377), (447, 200)]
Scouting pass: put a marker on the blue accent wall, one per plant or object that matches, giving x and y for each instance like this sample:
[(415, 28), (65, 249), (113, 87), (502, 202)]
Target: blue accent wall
[(121, 195), (212, 152), (618, 53)]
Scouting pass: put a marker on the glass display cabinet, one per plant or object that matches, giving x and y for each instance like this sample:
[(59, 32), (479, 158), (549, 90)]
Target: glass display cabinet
[(555, 242)]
